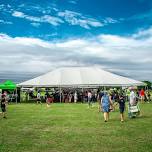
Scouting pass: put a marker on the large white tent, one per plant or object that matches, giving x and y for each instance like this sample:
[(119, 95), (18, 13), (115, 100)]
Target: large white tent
[(79, 77)]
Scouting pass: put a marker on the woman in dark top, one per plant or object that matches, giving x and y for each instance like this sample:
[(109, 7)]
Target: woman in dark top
[(3, 106), (121, 103)]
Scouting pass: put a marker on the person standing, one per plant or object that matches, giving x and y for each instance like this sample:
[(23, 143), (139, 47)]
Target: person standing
[(89, 98), (6, 97), (132, 98), (105, 103), (39, 98), (121, 103), (100, 94), (85, 96), (70, 97), (128, 94), (148, 95), (142, 95), (49, 100), (3, 106), (75, 97)]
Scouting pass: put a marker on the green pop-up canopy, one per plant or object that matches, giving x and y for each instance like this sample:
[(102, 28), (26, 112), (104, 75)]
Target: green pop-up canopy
[(8, 85)]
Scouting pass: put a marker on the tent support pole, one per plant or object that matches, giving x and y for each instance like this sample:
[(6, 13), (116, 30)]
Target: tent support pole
[(16, 94), (60, 95), (28, 97)]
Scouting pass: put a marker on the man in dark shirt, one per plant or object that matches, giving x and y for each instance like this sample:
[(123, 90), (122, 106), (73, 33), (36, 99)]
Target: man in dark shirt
[(3, 106), (100, 94)]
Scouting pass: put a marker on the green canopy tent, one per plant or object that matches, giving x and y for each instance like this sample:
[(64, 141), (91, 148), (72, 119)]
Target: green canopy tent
[(8, 85)]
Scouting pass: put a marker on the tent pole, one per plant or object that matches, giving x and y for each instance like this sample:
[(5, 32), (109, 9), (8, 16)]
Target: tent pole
[(28, 97), (60, 95), (16, 95)]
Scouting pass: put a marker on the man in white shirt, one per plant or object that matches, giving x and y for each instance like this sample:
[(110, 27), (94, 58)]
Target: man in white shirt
[(89, 98), (75, 97), (39, 98)]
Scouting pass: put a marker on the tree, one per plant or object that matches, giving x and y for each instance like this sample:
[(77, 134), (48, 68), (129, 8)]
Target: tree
[(148, 83)]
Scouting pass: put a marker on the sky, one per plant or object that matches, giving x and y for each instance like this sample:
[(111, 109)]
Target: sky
[(37, 36)]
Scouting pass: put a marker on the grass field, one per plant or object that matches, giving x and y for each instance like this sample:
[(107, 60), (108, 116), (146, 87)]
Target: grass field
[(73, 128)]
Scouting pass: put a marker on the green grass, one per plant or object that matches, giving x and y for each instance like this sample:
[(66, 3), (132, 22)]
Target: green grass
[(73, 128)]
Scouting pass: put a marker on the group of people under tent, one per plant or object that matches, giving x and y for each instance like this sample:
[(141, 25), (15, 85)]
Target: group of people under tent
[(107, 99)]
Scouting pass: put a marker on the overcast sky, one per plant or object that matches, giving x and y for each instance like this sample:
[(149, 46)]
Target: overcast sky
[(38, 36)]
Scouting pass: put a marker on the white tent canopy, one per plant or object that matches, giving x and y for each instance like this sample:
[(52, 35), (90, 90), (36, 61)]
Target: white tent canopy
[(79, 77)]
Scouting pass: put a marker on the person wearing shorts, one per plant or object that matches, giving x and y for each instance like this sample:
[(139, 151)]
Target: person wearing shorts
[(121, 103)]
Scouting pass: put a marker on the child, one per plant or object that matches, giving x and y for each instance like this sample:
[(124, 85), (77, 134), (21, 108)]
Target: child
[(3, 106), (49, 100), (121, 102)]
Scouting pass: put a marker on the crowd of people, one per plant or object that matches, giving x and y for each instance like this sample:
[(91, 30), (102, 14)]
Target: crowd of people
[(67, 96), (110, 99), (107, 100)]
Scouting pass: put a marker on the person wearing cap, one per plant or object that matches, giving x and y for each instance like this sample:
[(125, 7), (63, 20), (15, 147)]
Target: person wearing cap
[(3, 106), (105, 103)]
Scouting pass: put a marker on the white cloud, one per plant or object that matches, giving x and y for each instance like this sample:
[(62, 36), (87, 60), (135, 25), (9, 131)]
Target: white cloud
[(143, 16), (109, 20), (129, 56), (52, 20), (43, 19), (18, 14), (36, 24), (73, 1), (5, 22), (75, 18), (143, 34), (70, 17)]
